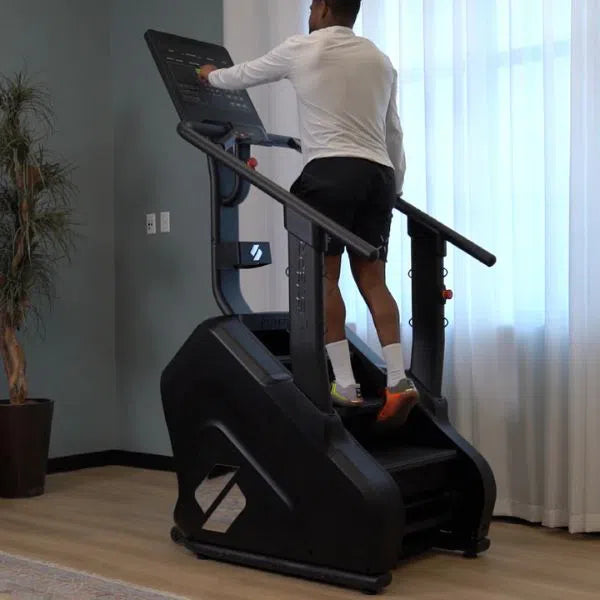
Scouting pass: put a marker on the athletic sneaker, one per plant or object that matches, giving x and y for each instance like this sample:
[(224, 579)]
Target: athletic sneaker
[(345, 396), (399, 401)]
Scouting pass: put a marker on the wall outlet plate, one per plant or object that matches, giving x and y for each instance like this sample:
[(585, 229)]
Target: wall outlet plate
[(151, 223)]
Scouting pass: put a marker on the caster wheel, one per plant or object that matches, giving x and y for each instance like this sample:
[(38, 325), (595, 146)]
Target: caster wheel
[(371, 592), (201, 557), (176, 535)]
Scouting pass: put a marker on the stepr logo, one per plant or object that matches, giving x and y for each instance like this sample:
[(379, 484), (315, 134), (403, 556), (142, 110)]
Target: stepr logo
[(220, 498), (256, 253)]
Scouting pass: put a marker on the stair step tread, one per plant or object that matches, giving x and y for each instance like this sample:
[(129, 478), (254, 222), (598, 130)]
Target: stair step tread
[(430, 523), (403, 458), (435, 498), (367, 406)]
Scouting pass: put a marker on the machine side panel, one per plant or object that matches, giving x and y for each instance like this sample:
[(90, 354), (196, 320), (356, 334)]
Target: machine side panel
[(311, 493)]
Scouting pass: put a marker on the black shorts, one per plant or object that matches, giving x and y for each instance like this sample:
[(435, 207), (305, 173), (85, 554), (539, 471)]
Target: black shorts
[(356, 193)]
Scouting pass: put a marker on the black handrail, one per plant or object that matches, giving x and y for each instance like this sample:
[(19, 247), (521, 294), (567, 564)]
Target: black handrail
[(187, 130), (448, 234), (281, 141)]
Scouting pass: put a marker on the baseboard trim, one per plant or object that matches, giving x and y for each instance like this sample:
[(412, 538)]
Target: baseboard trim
[(110, 458)]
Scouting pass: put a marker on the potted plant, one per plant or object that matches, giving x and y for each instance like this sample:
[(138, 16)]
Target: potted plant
[(36, 231)]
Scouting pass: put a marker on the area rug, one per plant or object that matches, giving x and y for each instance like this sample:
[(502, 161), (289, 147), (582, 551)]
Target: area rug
[(24, 579)]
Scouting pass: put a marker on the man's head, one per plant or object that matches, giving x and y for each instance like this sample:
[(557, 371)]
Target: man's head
[(327, 13)]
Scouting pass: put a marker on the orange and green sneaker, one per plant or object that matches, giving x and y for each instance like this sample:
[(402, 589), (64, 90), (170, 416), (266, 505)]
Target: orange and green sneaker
[(399, 401), (345, 395)]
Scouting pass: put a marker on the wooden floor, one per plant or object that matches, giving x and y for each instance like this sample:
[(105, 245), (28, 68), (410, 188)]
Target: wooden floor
[(115, 522)]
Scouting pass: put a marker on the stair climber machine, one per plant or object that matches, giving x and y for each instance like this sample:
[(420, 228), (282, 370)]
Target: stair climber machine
[(270, 475)]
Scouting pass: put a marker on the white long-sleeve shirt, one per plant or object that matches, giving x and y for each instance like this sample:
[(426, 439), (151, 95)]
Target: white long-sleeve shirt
[(346, 90)]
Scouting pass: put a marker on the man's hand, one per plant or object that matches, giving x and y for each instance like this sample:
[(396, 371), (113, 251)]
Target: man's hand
[(204, 71)]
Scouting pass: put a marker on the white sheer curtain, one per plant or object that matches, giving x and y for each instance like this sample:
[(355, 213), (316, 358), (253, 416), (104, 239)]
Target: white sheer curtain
[(583, 447), (485, 100)]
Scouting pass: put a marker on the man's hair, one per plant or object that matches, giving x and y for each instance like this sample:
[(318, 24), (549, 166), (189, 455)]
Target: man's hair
[(346, 10)]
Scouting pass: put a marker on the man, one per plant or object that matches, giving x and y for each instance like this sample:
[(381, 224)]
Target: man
[(354, 167)]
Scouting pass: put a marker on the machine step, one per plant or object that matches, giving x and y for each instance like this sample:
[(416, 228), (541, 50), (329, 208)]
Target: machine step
[(405, 458), (428, 524), (427, 511), (427, 501), (367, 407), (418, 470)]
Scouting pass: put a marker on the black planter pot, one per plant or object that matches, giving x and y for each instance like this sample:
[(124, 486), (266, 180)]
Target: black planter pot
[(24, 445)]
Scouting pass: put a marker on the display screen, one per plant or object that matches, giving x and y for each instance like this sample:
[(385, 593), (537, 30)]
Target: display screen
[(177, 59)]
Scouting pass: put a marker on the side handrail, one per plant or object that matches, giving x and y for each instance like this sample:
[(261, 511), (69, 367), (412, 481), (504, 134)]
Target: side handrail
[(187, 130), (447, 234), (282, 141)]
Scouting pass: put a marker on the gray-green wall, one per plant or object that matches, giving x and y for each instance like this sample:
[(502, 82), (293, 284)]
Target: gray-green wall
[(65, 44), (163, 281), (128, 300)]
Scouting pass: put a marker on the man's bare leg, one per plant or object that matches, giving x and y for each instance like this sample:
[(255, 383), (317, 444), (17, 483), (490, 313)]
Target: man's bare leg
[(344, 389), (370, 279), (401, 394), (335, 309)]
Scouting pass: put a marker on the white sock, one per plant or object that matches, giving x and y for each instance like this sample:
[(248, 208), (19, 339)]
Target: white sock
[(339, 355), (394, 361)]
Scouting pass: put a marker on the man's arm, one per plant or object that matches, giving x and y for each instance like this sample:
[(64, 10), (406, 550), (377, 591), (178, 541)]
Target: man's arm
[(394, 138), (271, 67)]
